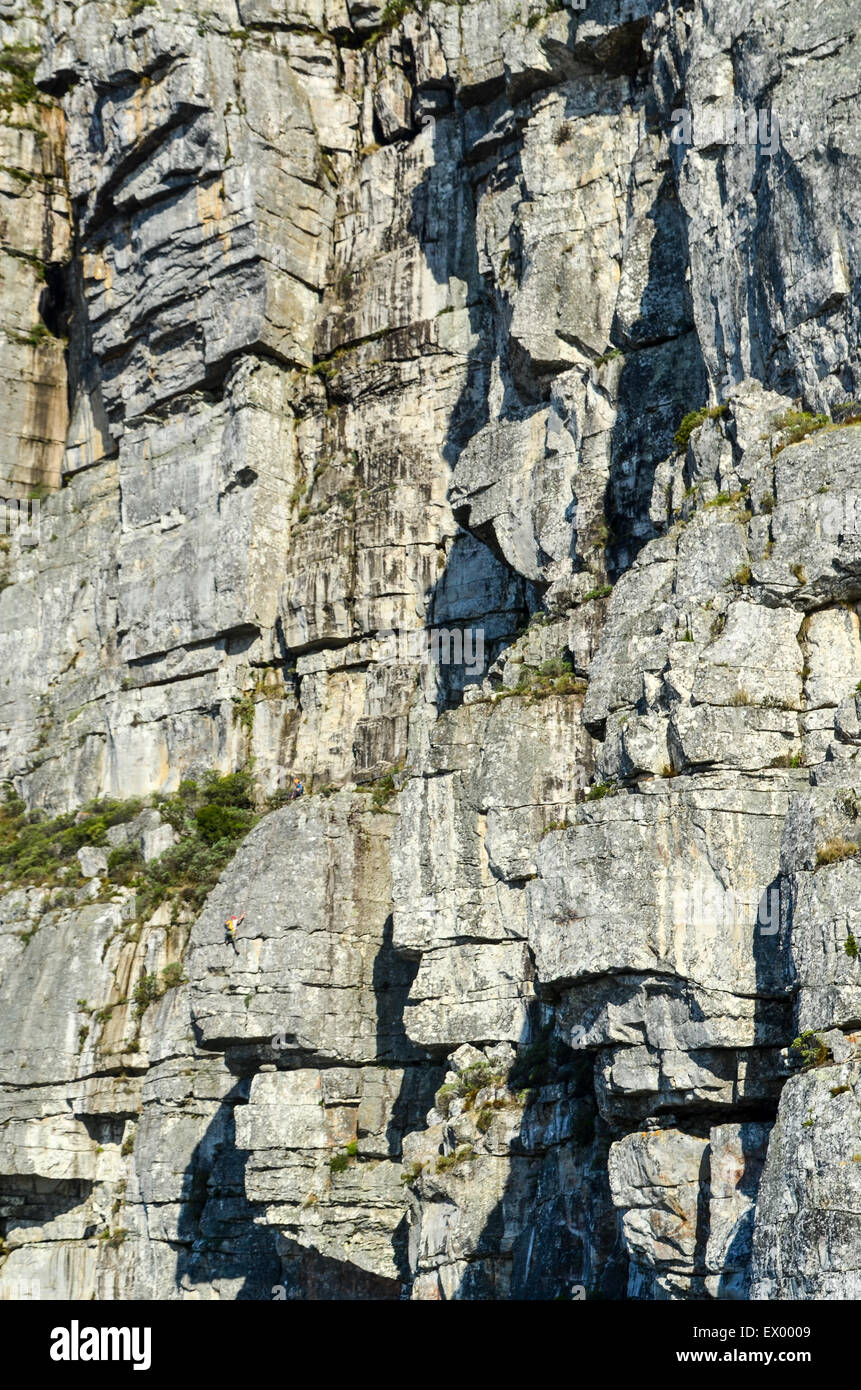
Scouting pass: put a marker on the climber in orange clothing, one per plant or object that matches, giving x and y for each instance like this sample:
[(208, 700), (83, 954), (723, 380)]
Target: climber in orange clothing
[(230, 931)]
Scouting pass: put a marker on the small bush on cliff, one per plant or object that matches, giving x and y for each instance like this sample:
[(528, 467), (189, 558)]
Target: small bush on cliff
[(146, 991), (693, 420), (810, 1050), (795, 425), (467, 1086), (113, 1239), (216, 823), (461, 1155), (835, 849), (552, 677), (382, 790), (124, 863)]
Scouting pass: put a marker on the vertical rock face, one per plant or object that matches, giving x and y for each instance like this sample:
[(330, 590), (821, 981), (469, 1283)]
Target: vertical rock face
[(454, 406), (35, 245)]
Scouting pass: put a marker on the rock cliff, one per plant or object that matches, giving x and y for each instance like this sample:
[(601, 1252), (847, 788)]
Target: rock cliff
[(454, 404)]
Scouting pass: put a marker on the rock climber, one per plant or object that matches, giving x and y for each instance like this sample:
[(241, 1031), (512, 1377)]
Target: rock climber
[(230, 926), (297, 789)]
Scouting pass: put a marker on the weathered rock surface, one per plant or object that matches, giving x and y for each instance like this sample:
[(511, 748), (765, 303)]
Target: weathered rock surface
[(345, 345)]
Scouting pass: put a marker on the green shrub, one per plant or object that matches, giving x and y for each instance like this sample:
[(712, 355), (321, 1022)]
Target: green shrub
[(796, 425), (219, 822), (555, 666), (146, 991), (38, 849), (602, 591), (693, 420), (554, 825), (382, 790), (18, 64), (553, 677), (469, 1082), (810, 1050), (113, 1239), (244, 708), (611, 355), (172, 975), (211, 818), (462, 1154), (412, 1174), (124, 863), (850, 946)]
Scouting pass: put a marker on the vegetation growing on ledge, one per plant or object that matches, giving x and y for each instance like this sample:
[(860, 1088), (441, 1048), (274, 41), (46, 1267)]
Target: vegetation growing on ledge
[(601, 591), (37, 849), (611, 355), (149, 988), (340, 1162), (467, 1086), (113, 1239), (693, 420), (555, 825), (835, 849), (553, 7), (382, 790), (412, 1174), (811, 1051), (600, 790), (211, 819), (553, 677), (462, 1154), (17, 64), (796, 425)]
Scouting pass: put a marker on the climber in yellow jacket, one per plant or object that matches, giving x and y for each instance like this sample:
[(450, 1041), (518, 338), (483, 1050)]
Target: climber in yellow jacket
[(230, 926)]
